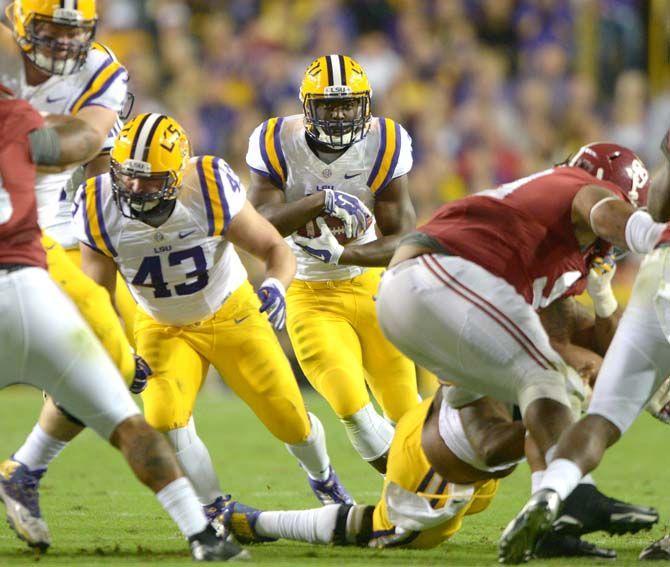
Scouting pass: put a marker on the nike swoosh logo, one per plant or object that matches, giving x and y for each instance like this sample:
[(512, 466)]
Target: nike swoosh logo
[(54, 99), (347, 176), (185, 233), (238, 321)]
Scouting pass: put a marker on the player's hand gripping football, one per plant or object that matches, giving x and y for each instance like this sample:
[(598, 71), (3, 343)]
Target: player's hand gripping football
[(325, 247), (142, 373), (659, 404), (599, 285), (273, 301), (349, 209)]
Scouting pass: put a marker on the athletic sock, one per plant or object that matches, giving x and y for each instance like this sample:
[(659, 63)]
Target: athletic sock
[(312, 526), (535, 480), (180, 502), (196, 462), (39, 449), (312, 453), (563, 476)]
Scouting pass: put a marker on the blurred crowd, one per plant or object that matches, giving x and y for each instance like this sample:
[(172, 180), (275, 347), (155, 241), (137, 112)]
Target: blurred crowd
[(489, 89)]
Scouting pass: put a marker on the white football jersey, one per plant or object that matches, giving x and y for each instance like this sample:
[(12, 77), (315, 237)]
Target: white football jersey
[(182, 271), (278, 150), (101, 82)]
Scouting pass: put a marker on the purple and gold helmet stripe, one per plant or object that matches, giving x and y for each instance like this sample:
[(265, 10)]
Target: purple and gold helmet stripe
[(144, 135)]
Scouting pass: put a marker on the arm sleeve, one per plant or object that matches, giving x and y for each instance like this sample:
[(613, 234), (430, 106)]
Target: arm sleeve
[(254, 156), (107, 85), (405, 159)]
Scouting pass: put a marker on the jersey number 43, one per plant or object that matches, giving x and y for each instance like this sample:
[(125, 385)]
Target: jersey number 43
[(150, 273)]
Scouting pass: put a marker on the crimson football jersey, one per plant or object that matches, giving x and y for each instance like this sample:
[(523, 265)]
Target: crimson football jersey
[(19, 232), (523, 233)]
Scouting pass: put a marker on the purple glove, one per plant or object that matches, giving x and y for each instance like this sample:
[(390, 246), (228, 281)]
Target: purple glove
[(273, 300), (142, 373), (349, 209)]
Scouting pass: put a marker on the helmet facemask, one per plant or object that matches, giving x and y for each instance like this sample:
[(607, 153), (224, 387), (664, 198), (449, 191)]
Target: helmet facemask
[(58, 45), (159, 190), (337, 120)]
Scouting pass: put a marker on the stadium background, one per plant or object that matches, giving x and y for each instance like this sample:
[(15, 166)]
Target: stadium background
[(490, 90)]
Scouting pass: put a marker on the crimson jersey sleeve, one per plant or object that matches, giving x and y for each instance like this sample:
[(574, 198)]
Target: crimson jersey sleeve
[(19, 232)]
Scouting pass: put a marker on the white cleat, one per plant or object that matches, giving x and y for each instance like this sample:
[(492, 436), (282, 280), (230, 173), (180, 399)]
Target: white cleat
[(521, 535)]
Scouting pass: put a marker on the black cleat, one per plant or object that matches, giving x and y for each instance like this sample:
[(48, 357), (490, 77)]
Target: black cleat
[(588, 510), (520, 537), (210, 546), (659, 550), (565, 545)]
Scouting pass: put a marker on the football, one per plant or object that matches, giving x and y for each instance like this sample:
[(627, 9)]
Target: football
[(311, 229)]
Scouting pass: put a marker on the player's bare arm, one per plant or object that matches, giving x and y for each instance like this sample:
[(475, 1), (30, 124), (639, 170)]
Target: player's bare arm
[(254, 234), (395, 217), (658, 203), (285, 217), (100, 268)]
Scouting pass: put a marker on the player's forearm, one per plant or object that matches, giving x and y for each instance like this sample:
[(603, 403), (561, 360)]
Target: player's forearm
[(658, 203), (377, 253), (603, 331), (280, 263), (64, 141), (289, 217), (503, 443)]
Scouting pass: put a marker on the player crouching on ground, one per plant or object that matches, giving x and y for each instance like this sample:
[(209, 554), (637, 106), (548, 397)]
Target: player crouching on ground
[(168, 223)]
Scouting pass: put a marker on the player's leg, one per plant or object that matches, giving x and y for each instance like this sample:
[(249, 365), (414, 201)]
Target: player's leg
[(248, 356), (22, 473), (169, 399), (390, 374), (636, 363), (61, 356), (329, 352)]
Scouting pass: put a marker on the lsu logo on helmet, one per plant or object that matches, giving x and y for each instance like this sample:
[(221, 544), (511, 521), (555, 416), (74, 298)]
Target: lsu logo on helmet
[(148, 158), (54, 35), (336, 95)]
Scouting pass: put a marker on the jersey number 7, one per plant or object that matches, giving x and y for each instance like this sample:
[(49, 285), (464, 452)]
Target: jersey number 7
[(150, 273)]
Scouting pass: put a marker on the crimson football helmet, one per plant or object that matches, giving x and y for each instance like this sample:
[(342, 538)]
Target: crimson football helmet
[(616, 164)]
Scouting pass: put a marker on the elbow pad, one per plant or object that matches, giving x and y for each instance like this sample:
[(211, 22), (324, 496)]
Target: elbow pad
[(45, 146)]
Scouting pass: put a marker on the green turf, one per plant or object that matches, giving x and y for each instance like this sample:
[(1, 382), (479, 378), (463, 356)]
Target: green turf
[(99, 515)]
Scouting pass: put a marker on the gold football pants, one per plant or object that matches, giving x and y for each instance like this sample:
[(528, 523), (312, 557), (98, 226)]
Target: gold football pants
[(93, 303), (340, 346), (409, 468), (240, 343)]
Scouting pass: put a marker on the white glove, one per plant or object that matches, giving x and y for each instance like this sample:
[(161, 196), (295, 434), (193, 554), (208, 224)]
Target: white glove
[(659, 405), (273, 301), (599, 286), (349, 209), (325, 247)]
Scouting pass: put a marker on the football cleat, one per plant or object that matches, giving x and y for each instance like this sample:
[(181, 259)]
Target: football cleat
[(566, 545), (521, 535), (214, 512), (240, 521), (208, 545), (659, 550), (19, 491), (331, 490), (588, 510)]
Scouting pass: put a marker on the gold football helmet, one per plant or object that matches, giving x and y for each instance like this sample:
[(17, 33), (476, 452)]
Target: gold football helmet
[(336, 95), (148, 160), (54, 35)]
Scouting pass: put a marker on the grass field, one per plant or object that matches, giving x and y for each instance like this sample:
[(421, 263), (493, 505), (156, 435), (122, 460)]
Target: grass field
[(99, 514)]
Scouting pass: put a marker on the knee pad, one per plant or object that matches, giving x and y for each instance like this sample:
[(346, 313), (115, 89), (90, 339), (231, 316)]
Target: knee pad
[(551, 384), (369, 433)]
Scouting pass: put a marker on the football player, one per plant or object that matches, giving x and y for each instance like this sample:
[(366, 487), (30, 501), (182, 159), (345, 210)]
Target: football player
[(444, 464), (45, 342), (50, 59), (337, 160), (168, 223), (462, 294), (636, 364)]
